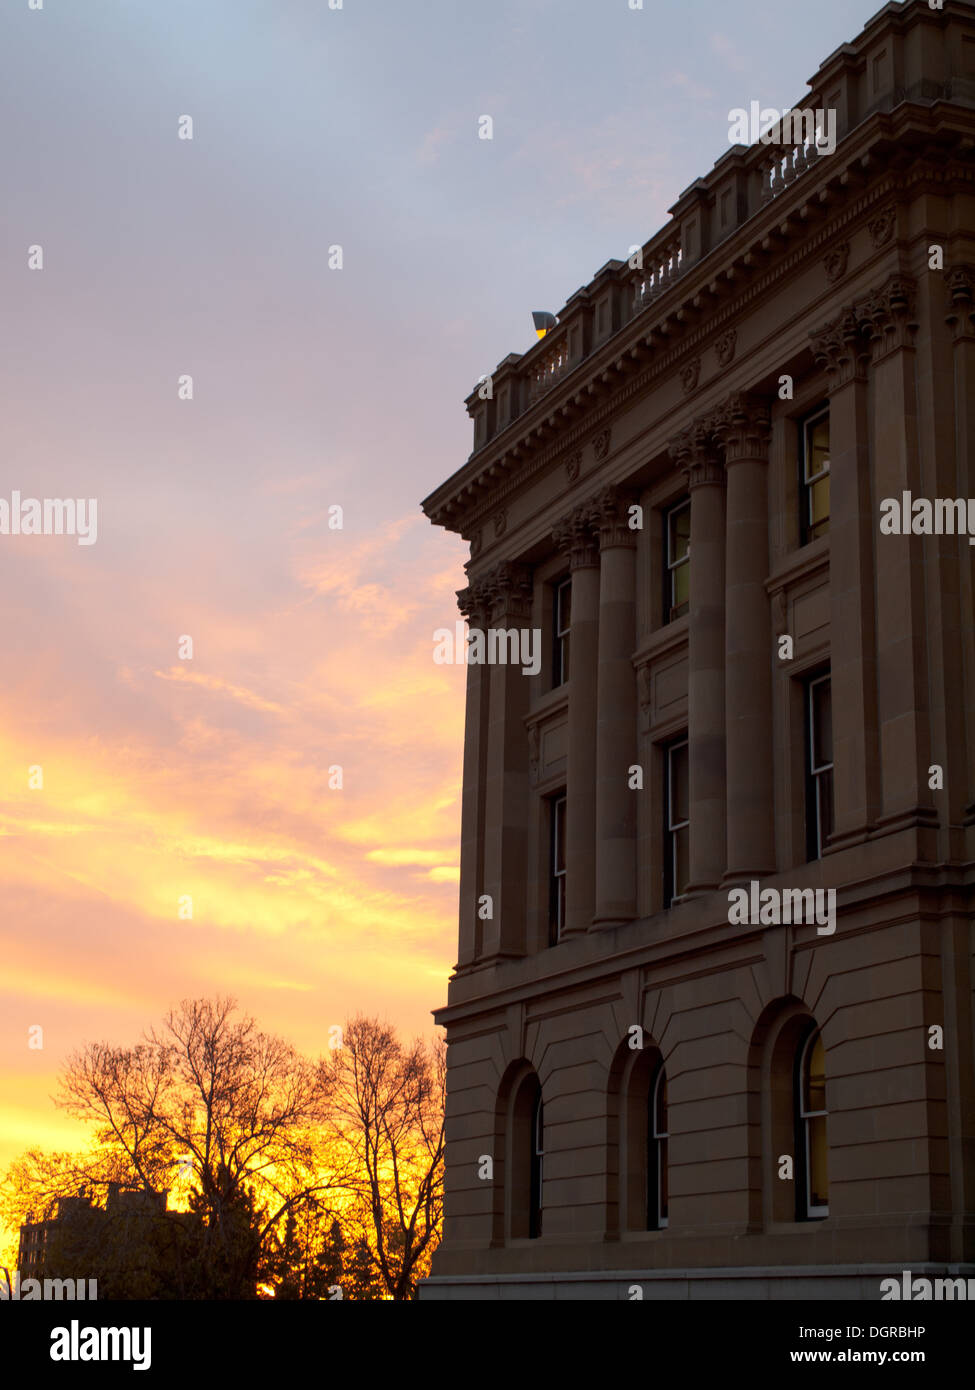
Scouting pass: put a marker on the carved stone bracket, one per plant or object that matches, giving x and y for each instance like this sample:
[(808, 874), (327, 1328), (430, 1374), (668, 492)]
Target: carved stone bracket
[(960, 308)]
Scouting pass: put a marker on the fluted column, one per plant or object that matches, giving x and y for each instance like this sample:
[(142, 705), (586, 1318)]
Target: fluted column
[(743, 429), (696, 454), (473, 603), (616, 712), (575, 538), (902, 691), (506, 779), (838, 349)]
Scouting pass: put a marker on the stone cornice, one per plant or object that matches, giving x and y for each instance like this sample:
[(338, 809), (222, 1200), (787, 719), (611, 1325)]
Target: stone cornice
[(604, 381)]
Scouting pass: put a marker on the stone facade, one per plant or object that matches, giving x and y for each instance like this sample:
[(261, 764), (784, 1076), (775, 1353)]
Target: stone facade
[(788, 287)]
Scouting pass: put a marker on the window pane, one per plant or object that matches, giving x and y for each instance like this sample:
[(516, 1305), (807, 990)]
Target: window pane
[(825, 807), (814, 1080), (817, 447), (565, 606), (822, 724), (559, 837), (819, 505), (660, 1118), (682, 869), (679, 786), (680, 587), (680, 533), (565, 657), (816, 1139), (662, 1178)]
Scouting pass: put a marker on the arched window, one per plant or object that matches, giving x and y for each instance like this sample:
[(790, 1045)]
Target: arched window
[(657, 1135), (812, 1191), (523, 1149), (537, 1153)]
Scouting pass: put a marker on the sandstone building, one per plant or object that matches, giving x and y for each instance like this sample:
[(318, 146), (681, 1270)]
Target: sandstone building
[(664, 1098)]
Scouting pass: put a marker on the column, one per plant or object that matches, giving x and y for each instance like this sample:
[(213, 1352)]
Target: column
[(506, 781), (616, 712), (743, 429), (961, 320), (696, 453), (902, 696), (473, 603), (838, 349), (575, 537)]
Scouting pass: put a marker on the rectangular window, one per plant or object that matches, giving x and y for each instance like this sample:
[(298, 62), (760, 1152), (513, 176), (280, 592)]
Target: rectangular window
[(819, 766), (677, 576), (556, 916), (814, 476), (676, 822), (561, 618)]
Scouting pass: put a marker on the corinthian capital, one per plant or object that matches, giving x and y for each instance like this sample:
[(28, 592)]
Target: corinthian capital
[(509, 589), (474, 602), (839, 349), (695, 453), (887, 315), (743, 426), (575, 536), (611, 516)]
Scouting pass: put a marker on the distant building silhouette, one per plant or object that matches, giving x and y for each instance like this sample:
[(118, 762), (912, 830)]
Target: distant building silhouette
[(129, 1245), (660, 1074)]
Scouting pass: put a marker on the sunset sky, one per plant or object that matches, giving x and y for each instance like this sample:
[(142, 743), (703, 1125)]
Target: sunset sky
[(312, 388)]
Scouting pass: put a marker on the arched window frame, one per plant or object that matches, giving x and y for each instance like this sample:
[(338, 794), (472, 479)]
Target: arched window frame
[(658, 1133), (537, 1140), (808, 1209)]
